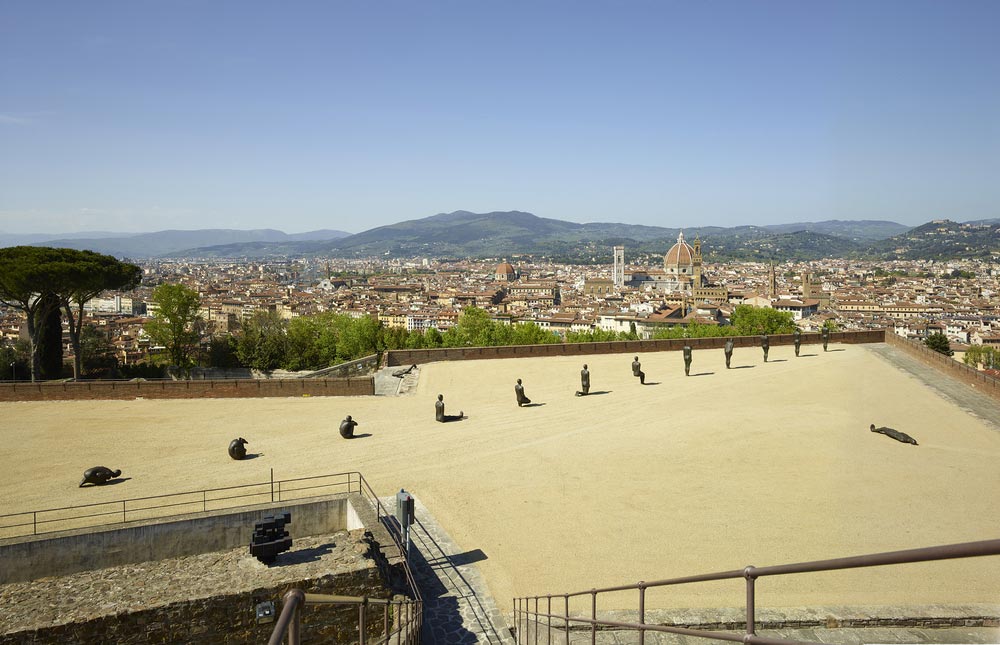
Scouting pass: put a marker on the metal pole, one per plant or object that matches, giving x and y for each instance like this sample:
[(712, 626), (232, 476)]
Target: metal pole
[(362, 627), (272, 484), (642, 611), (548, 638), (34, 522), (536, 620), (294, 633), (204, 500), (593, 616), (749, 574), (566, 598), (123, 512)]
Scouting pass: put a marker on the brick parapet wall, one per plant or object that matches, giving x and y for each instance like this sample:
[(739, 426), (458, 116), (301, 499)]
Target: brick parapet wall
[(418, 356), (969, 375), (208, 389)]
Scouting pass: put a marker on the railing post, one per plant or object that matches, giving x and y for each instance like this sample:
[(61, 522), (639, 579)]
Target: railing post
[(536, 620), (204, 501), (748, 573), (548, 637), (385, 617), (593, 616), (566, 598), (642, 611), (34, 522), (272, 484), (362, 627), (123, 512)]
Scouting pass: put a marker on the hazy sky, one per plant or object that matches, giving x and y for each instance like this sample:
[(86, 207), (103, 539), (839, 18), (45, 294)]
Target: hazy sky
[(142, 115)]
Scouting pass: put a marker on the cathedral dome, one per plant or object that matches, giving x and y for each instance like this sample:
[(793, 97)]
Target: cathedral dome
[(680, 254), (505, 272)]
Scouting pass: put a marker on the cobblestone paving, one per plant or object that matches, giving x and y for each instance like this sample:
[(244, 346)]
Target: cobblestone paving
[(458, 607), (388, 385)]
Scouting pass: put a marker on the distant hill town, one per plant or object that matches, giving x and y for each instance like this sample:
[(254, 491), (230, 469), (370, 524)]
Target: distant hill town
[(495, 234)]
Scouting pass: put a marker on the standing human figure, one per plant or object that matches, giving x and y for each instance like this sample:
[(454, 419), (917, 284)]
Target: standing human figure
[(797, 340), (729, 351), (765, 344), (347, 427), (826, 337), (584, 382), (519, 393), (439, 411), (637, 371), (687, 360)]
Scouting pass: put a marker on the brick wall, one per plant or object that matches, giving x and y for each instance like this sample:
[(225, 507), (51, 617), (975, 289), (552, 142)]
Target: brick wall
[(969, 375), (417, 356), (210, 389)]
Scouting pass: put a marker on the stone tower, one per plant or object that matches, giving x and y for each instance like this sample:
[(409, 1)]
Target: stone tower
[(696, 262), (618, 270)]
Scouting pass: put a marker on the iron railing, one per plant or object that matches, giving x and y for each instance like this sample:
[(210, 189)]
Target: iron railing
[(530, 620), (402, 620), (160, 506)]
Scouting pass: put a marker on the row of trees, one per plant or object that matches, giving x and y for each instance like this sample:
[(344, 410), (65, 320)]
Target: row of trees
[(47, 283)]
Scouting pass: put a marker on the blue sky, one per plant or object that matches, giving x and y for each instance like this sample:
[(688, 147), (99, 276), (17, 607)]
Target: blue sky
[(142, 116)]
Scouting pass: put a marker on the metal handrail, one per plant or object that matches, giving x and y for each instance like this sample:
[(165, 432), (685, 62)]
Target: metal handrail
[(523, 612), (351, 481)]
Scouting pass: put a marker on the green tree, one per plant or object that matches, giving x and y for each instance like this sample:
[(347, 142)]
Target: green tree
[(939, 343), (222, 352), (176, 325), (96, 355), (750, 321), (984, 355), (263, 344), (831, 325), (50, 341), (36, 279), (92, 273), (432, 337)]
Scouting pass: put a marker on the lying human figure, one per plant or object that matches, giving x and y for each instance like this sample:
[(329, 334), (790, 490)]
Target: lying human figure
[(895, 434)]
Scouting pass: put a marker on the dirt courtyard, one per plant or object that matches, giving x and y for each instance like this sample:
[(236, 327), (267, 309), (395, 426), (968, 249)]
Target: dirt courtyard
[(762, 464)]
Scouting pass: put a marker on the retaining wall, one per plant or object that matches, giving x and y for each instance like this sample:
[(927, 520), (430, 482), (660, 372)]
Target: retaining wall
[(208, 389), (969, 375), (29, 558), (418, 356)]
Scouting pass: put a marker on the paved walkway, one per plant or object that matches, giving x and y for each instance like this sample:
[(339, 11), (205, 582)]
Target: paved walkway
[(847, 636), (979, 405), (458, 607)]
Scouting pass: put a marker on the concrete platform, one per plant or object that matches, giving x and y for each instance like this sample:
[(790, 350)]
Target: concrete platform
[(761, 464)]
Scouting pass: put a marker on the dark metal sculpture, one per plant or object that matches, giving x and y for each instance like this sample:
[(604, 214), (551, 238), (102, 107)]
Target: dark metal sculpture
[(439, 411), (347, 427), (584, 382), (895, 434), (270, 537), (826, 337), (729, 351), (519, 393), (797, 339), (637, 371), (687, 360), (238, 448), (99, 475), (765, 344), (402, 373)]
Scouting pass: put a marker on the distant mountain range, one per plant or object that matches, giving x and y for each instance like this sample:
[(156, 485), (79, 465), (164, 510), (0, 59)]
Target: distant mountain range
[(166, 243), (511, 233)]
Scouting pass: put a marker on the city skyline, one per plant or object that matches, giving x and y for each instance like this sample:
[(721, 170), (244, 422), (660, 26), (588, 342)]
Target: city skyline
[(143, 118)]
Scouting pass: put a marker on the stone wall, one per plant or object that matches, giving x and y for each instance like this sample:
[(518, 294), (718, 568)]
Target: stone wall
[(419, 356), (224, 618), (969, 375), (206, 389), (65, 552)]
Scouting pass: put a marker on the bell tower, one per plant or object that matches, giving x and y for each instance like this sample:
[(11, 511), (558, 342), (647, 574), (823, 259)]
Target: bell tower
[(696, 263)]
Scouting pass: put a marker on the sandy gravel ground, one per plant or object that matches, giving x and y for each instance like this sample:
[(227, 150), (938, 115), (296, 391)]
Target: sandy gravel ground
[(765, 464)]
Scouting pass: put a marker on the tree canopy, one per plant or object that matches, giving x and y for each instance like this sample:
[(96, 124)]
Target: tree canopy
[(176, 324), (939, 343), (38, 279)]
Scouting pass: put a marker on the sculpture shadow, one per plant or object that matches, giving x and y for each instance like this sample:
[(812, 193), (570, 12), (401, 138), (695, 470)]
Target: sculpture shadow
[(362, 435), (778, 360), (301, 556), (744, 367), (703, 374), (599, 392), (652, 383), (116, 480), (532, 405), (252, 455), (458, 559), (807, 355), (841, 349)]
